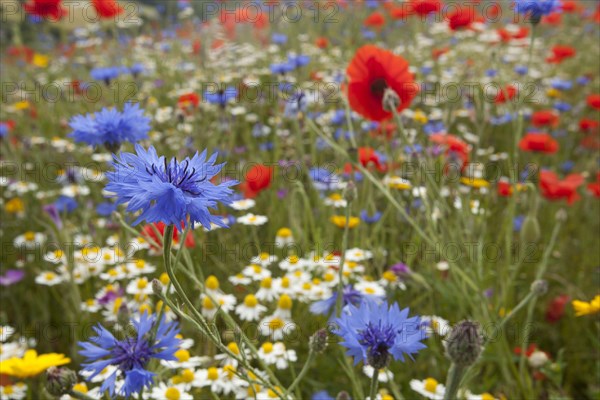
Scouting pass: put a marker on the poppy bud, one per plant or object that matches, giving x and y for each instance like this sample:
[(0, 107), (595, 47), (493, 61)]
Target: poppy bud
[(464, 343), (60, 381), (318, 341), (539, 287), (530, 231), (157, 286), (391, 101), (350, 192), (343, 395)]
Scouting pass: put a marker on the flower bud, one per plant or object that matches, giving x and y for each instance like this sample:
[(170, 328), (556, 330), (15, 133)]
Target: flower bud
[(539, 287), (464, 343), (60, 381), (123, 317), (530, 231), (391, 101), (318, 341), (561, 215), (157, 286), (350, 192), (343, 395)]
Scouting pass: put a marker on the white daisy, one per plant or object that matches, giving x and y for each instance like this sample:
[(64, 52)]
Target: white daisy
[(251, 219), (250, 309), (429, 388)]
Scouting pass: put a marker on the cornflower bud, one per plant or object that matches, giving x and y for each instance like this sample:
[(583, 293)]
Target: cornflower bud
[(464, 343), (60, 381)]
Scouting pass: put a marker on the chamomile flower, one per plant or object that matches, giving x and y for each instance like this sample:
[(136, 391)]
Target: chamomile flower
[(49, 278), (239, 279), (226, 359), (169, 392), (370, 288), (251, 219), (183, 359), (277, 354), (357, 255), (140, 267), (242, 205), (276, 327), (139, 286), (225, 303), (284, 237), (15, 391), (29, 240), (264, 259), (336, 200), (292, 263), (429, 388), (434, 324), (385, 375), (250, 309), (266, 292), (256, 272)]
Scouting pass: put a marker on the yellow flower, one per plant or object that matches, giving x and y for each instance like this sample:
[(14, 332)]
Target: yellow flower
[(21, 105), (474, 182), (553, 93), (583, 308), (14, 206), (340, 221), (40, 60), (420, 117), (32, 364)]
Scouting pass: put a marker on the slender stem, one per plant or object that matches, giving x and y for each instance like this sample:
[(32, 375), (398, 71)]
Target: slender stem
[(340, 288), (309, 359), (455, 374), (374, 384)]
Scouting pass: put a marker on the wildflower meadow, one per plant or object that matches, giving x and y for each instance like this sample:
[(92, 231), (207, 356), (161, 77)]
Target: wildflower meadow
[(300, 199)]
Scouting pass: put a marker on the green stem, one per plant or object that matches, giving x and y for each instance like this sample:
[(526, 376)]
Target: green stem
[(79, 395), (455, 374), (340, 288), (374, 384), (309, 359)]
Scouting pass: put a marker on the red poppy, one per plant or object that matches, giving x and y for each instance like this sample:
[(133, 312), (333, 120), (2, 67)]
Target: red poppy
[(370, 72), (188, 99), (107, 8), (530, 349), (454, 146), (425, 7), (556, 308), (590, 141), (539, 142), (554, 19), (505, 189), (368, 157), (322, 42), (594, 187), (569, 6), (375, 20), (258, 178), (507, 35), (23, 52), (555, 189), (589, 125), (593, 100), (51, 9), (461, 18), (150, 232), (506, 94), (437, 53), (560, 53), (544, 118), (401, 12)]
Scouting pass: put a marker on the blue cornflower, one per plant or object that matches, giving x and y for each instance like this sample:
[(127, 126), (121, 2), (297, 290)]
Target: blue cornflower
[(299, 60), (130, 355), (282, 68), (349, 296), (374, 333), (106, 208), (325, 179), (279, 38), (322, 395), (106, 74), (110, 127), (370, 219), (518, 223), (137, 69), (168, 191), (222, 96), (65, 204), (536, 8), (4, 129)]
